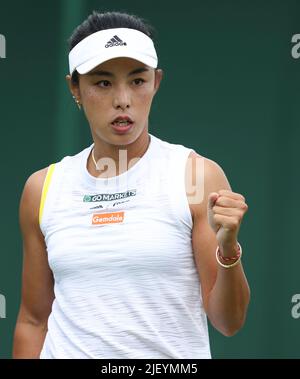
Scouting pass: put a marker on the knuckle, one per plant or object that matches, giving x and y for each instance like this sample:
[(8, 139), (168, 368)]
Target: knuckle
[(235, 221), (244, 205)]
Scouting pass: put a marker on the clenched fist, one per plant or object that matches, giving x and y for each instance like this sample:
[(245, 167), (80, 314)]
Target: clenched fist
[(225, 211)]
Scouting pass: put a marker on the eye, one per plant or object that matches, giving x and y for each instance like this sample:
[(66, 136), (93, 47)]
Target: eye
[(138, 81), (103, 83)]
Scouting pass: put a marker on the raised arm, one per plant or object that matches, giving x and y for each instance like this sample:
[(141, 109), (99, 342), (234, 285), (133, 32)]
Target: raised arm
[(217, 216), (37, 279)]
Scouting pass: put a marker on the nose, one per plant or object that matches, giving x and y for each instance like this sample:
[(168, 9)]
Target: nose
[(121, 99)]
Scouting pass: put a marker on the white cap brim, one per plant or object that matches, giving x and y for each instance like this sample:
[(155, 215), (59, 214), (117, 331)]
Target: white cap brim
[(94, 62), (104, 45)]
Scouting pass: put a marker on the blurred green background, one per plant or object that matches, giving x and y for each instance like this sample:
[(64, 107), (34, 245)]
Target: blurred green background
[(230, 91)]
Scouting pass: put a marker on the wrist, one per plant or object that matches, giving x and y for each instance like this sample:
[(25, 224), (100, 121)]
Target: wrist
[(231, 260), (229, 250)]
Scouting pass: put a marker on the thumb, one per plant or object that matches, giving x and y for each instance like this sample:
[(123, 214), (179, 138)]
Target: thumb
[(212, 198)]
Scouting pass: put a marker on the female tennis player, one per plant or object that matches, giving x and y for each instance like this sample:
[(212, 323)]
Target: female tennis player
[(131, 244)]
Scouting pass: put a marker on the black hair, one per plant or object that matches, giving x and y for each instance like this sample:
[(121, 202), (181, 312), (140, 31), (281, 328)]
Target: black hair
[(100, 21)]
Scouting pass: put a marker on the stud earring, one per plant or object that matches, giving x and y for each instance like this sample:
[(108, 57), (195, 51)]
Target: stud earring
[(77, 102)]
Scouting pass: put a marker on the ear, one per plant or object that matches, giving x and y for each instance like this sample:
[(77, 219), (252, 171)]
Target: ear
[(74, 89), (158, 77)]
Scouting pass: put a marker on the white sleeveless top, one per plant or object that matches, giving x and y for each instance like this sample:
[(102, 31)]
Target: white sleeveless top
[(120, 248)]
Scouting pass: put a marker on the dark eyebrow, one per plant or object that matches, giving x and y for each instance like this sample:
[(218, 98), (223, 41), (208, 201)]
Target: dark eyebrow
[(107, 73), (138, 71), (102, 73)]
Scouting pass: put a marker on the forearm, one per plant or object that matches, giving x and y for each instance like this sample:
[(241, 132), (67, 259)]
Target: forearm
[(28, 340), (228, 300)]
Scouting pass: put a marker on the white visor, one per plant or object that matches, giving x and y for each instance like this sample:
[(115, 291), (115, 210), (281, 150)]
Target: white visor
[(112, 43)]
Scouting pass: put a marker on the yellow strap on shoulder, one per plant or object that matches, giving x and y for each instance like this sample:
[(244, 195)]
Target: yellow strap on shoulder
[(45, 190)]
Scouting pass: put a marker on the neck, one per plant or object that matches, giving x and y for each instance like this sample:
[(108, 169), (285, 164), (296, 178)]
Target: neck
[(113, 160)]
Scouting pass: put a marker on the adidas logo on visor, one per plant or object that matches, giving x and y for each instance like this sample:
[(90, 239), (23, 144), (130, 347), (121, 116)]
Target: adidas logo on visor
[(115, 41)]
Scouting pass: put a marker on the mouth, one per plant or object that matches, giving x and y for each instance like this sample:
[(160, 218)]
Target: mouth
[(122, 124)]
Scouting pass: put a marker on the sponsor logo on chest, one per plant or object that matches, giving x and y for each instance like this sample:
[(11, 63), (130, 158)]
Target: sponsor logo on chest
[(107, 218), (108, 196), (116, 199)]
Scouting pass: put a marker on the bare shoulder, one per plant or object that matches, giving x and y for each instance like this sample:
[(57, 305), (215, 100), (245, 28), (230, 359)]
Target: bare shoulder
[(203, 176), (37, 278), (31, 196)]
